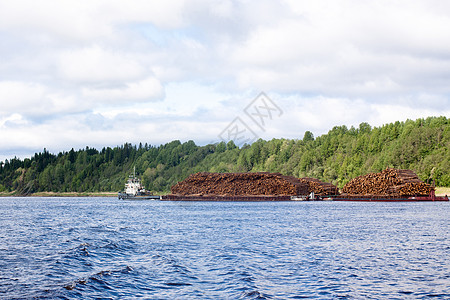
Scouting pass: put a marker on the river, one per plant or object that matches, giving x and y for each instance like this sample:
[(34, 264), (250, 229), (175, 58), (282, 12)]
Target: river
[(85, 248)]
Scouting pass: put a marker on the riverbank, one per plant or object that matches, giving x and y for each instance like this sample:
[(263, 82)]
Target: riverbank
[(442, 191), (62, 194)]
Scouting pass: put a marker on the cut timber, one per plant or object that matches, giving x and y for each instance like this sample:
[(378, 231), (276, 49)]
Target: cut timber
[(320, 188), (240, 184), (390, 182)]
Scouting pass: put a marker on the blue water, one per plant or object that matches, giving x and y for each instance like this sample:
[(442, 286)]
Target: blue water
[(85, 248)]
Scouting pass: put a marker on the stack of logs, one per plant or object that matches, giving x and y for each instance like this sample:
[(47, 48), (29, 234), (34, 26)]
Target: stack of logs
[(240, 184), (390, 182), (320, 188)]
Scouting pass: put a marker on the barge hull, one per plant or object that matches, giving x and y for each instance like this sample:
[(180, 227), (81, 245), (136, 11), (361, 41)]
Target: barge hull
[(393, 199), (290, 198)]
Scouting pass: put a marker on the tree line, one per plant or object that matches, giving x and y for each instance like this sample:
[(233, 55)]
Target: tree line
[(422, 145)]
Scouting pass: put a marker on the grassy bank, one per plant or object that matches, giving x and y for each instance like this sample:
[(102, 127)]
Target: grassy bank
[(441, 191), (53, 194)]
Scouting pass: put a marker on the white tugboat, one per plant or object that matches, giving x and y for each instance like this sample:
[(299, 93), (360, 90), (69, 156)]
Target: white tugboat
[(134, 190)]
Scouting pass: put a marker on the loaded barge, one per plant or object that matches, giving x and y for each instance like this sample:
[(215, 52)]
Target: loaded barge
[(390, 185)]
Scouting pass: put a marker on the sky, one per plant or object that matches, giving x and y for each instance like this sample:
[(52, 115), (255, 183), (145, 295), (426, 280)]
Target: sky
[(102, 73)]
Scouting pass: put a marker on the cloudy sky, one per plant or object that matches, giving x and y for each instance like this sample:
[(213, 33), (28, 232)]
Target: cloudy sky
[(103, 72)]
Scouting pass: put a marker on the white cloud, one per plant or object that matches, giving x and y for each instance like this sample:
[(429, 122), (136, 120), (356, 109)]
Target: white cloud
[(149, 89), (387, 113), (320, 114), (98, 65), (85, 20), (19, 95), (35, 101), (13, 120)]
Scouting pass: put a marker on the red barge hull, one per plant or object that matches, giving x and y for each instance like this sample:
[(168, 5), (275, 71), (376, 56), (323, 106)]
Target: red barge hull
[(390, 199), (224, 198), (255, 198)]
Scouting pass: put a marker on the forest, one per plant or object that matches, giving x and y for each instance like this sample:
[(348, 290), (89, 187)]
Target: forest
[(422, 145)]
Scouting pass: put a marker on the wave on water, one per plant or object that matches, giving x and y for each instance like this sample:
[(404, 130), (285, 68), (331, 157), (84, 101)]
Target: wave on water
[(98, 278)]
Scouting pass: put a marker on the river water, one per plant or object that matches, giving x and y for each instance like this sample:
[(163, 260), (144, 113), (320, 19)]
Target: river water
[(85, 248)]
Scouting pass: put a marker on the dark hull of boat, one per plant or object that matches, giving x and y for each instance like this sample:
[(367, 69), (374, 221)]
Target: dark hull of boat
[(124, 196)]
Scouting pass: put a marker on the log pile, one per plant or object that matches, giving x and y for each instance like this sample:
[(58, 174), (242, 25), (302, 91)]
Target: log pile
[(240, 184), (390, 182), (320, 188)]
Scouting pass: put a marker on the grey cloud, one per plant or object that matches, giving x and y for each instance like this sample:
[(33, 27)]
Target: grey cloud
[(356, 58)]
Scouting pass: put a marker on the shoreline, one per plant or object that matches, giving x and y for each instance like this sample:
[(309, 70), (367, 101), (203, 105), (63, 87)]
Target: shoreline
[(440, 191), (62, 194)]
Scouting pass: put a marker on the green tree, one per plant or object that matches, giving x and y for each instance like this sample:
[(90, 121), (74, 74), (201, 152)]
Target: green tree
[(308, 136)]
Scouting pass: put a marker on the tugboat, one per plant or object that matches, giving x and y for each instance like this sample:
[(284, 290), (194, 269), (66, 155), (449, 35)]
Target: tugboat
[(135, 191)]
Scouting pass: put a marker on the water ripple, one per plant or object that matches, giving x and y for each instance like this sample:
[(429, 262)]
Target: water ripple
[(78, 248)]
